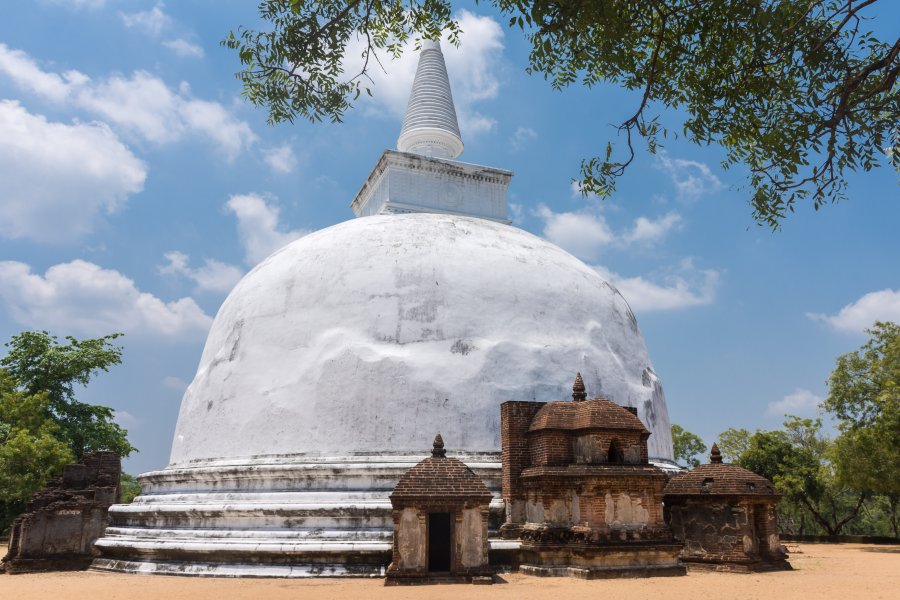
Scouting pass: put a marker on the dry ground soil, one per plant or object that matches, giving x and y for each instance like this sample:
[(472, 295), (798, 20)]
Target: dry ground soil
[(820, 571)]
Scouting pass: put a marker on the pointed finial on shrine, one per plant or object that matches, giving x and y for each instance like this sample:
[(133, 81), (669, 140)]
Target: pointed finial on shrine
[(437, 449), (578, 392), (715, 456)]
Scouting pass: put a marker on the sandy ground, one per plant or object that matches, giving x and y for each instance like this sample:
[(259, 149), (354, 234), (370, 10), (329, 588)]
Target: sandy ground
[(821, 571)]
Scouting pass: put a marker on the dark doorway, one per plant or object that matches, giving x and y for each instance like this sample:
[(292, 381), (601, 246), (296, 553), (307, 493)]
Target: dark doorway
[(439, 542), (615, 455)]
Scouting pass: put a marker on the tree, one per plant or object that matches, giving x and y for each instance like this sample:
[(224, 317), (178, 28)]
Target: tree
[(864, 393), (30, 452), (686, 446), (129, 488), (733, 443), (796, 91), (795, 459), (38, 364)]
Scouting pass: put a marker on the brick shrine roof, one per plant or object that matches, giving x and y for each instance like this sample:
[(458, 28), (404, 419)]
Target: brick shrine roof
[(440, 476), (597, 413), (719, 478)]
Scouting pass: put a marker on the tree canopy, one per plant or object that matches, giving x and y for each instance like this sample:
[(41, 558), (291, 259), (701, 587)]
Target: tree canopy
[(37, 364), (797, 459), (864, 393), (797, 92), (686, 446)]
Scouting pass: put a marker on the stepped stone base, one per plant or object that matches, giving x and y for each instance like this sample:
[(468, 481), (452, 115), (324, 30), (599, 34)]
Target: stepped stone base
[(283, 516)]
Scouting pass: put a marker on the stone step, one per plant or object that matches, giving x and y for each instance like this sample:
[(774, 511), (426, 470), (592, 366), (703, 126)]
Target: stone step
[(244, 534), (281, 497), (253, 515), (237, 569)]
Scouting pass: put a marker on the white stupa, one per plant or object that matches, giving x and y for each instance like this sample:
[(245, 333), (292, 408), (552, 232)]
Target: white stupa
[(333, 363)]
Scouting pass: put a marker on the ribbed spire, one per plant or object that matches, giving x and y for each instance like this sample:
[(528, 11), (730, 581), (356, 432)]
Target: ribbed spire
[(430, 127), (578, 390), (715, 456), (437, 448)]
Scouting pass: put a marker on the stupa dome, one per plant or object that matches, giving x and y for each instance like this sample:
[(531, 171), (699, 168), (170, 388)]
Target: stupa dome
[(368, 336)]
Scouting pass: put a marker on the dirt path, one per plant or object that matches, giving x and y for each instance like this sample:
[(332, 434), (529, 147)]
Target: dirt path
[(821, 571)]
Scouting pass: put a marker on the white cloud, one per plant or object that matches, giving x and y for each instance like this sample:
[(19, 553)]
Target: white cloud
[(516, 214), (59, 179), (184, 48), (685, 287), (582, 233), (585, 233), (126, 419), (29, 76), (141, 104), (174, 383), (692, 179), (83, 298), (800, 402), (213, 276), (151, 22), (473, 68), (522, 137), (280, 159), (649, 231), (857, 316), (77, 4), (258, 227)]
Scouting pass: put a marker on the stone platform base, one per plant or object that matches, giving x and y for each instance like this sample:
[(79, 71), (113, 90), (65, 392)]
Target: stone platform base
[(37, 565), (603, 573), (602, 561), (439, 580), (733, 567)]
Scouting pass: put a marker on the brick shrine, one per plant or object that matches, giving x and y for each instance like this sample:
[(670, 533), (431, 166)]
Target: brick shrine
[(725, 516), (580, 491), (440, 514)]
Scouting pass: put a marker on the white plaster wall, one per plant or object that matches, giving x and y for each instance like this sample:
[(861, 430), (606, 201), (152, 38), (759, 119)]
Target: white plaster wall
[(374, 334), (403, 183), (411, 540), (472, 539)]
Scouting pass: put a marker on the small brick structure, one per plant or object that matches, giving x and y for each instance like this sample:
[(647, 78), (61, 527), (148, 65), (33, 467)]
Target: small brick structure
[(64, 519), (580, 492), (725, 516), (440, 513)]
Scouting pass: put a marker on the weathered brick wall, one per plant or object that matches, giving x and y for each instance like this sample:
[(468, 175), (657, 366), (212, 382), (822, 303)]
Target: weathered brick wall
[(515, 417), (593, 447), (713, 530), (550, 447), (603, 500)]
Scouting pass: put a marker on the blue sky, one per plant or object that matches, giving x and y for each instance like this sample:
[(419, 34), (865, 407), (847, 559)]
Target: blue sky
[(138, 187)]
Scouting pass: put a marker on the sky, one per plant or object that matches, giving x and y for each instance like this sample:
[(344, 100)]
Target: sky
[(137, 187)]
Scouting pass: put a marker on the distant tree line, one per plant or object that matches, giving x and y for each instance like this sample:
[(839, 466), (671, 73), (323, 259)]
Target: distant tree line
[(846, 485)]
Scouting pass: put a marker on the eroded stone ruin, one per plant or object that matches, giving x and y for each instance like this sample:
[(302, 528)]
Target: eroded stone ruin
[(64, 519)]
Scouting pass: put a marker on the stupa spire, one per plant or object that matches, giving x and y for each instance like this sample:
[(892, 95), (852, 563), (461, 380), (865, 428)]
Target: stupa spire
[(579, 394), (715, 456), (437, 448), (430, 127)]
